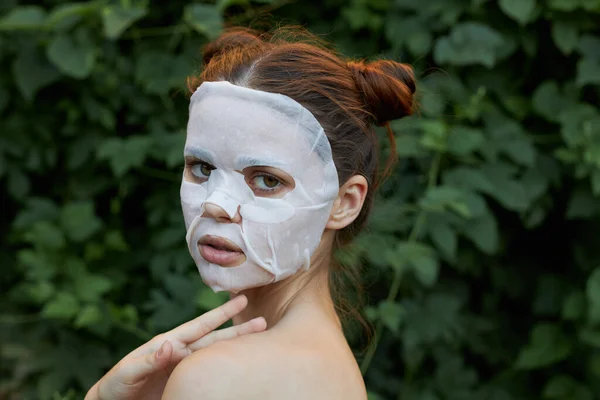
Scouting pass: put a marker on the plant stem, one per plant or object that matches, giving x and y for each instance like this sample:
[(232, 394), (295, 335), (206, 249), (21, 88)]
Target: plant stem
[(432, 179)]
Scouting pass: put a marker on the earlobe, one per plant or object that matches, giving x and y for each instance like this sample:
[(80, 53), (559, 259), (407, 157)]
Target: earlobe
[(349, 202)]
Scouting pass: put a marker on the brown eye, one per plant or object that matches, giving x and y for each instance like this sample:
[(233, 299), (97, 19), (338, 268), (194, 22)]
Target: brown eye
[(270, 182), (201, 170), (265, 183)]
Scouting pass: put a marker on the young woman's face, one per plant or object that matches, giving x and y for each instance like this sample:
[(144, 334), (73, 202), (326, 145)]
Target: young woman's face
[(257, 188)]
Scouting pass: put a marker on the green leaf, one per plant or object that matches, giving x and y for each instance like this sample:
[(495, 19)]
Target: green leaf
[(564, 387), (590, 336), (593, 295), (38, 266), (576, 123), (435, 135), (483, 232), (435, 318), (79, 220), (207, 299), (441, 198), (168, 147), (588, 72), (548, 101), (419, 42), (373, 396), (391, 314), (51, 382), (573, 307), (444, 237), (520, 150), (116, 19), (32, 72), (47, 235), (508, 191), (18, 183), (375, 245), (23, 18), (63, 306), (38, 292), (521, 11), (159, 72), (595, 180), (65, 16), (563, 5), (125, 154), (470, 43), (426, 269), (73, 55), (204, 18), (222, 5), (89, 287), (114, 240), (408, 146), (464, 140), (174, 307), (590, 5), (88, 316), (547, 345), (589, 47), (583, 205), (565, 36), (416, 257), (466, 178)]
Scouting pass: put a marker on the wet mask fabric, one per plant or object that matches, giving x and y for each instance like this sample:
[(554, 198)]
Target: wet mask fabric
[(234, 128)]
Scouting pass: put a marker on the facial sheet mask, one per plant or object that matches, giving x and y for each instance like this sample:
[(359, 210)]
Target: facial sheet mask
[(234, 128)]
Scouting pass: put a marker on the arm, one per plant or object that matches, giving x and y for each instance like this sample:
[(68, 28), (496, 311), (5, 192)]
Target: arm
[(143, 373)]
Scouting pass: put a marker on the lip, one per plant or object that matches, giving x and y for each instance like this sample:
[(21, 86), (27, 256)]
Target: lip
[(220, 251)]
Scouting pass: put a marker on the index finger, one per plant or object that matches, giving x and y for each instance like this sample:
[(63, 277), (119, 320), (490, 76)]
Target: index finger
[(209, 321)]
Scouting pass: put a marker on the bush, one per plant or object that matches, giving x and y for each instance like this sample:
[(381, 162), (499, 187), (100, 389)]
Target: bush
[(483, 264)]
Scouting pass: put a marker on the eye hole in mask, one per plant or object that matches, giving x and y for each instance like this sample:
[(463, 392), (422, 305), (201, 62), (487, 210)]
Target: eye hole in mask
[(268, 181), (261, 179), (202, 170)]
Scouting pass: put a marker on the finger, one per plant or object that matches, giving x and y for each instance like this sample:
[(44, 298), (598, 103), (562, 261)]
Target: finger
[(208, 322), (255, 325), (135, 370)]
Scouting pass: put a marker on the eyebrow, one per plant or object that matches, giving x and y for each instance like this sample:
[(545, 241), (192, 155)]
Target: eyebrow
[(245, 161), (199, 153)]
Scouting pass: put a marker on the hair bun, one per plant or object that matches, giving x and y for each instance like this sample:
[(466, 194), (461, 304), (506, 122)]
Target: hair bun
[(387, 88), (231, 38)]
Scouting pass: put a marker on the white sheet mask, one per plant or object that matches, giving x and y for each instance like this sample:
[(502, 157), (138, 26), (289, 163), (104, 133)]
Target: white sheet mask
[(234, 128)]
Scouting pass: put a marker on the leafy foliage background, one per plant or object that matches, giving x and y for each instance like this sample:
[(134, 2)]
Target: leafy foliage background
[(482, 256)]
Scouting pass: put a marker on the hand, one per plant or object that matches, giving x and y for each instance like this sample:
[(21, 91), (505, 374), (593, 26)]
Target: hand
[(143, 373)]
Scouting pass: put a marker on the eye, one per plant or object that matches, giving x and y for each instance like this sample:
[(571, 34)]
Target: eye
[(265, 183), (199, 170), (202, 170)]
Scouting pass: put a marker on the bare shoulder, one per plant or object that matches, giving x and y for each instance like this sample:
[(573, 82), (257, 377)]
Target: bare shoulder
[(266, 366)]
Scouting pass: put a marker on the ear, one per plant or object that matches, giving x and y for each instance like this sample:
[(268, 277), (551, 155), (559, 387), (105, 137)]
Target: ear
[(349, 202)]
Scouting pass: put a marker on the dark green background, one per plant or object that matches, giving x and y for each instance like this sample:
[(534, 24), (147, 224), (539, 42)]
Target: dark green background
[(482, 258)]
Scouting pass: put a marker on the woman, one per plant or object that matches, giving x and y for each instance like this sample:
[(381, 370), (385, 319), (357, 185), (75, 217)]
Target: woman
[(281, 167)]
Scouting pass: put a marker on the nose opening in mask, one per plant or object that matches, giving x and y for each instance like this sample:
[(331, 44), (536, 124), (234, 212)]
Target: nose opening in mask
[(223, 201)]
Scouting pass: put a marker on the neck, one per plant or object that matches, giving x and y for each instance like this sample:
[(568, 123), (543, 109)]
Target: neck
[(304, 289)]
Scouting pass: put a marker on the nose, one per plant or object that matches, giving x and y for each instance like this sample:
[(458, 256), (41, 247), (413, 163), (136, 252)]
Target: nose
[(214, 211)]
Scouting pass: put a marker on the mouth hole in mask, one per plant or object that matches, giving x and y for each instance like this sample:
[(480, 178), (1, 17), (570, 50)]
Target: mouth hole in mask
[(221, 252)]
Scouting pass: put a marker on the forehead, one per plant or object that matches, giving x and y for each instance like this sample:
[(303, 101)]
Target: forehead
[(256, 132)]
